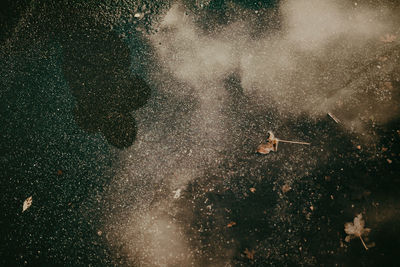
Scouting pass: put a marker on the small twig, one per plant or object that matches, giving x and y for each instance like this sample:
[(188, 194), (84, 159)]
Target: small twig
[(362, 241), (294, 142), (333, 117)]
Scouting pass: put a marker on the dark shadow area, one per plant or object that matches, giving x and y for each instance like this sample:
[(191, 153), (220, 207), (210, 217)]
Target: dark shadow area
[(243, 213), (96, 62), (306, 222), (96, 65), (43, 154), (11, 12)]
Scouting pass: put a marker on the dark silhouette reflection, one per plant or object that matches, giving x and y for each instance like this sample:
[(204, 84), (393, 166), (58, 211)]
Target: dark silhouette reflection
[(96, 65)]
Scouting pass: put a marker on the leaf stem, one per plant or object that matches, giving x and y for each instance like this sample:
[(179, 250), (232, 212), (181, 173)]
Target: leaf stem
[(294, 142), (362, 241)]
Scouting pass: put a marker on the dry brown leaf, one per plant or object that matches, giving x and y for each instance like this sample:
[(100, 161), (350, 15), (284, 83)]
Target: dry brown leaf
[(27, 204), (273, 142), (389, 161), (388, 38), (252, 189), (356, 229), (249, 254), (382, 58), (271, 145), (265, 148), (231, 224), (286, 188), (388, 85)]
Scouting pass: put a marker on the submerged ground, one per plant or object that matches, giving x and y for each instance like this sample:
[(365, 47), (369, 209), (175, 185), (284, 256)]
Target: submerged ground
[(133, 126)]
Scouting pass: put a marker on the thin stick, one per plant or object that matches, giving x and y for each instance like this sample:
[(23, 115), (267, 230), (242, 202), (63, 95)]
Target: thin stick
[(362, 241), (333, 117), (293, 142)]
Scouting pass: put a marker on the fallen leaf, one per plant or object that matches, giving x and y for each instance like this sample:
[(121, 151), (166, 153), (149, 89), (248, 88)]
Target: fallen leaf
[(271, 145), (312, 208), (388, 38), (356, 229), (389, 161), (359, 147), (384, 149), (265, 148), (252, 189), (99, 232), (231, 224), (388, 85), (249, 254), (382, 58), (59, 172), (286, 188), (273, 142), (27, 204)]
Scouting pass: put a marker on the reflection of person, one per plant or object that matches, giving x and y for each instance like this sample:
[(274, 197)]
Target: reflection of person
[(271, 145), (97, 66)]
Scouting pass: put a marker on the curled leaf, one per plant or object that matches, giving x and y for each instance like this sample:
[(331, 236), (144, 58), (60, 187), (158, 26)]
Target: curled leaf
[(271, 145), (265, 148), (231, 224), (27, 204)]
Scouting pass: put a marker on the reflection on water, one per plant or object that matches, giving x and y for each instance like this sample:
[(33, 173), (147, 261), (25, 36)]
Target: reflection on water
[(96, 66)]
